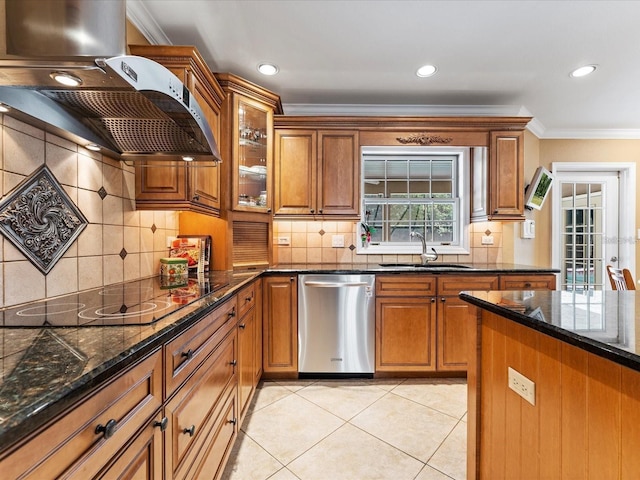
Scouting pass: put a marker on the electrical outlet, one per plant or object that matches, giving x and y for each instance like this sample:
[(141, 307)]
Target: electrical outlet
[(284, 240), (487, 240), (337, 241), (522, 386)]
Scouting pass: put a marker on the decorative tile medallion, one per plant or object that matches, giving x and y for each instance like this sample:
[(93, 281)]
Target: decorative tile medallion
[(102, 192), (40, 219)]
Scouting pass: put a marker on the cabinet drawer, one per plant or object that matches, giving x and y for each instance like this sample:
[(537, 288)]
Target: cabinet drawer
[(220, 438), (405, 285), (75, 446), (190, 348), (527, 282), (454, 284), (190, 410), (246, 299)]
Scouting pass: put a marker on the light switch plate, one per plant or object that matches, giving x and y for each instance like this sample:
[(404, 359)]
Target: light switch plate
[(284, 240)]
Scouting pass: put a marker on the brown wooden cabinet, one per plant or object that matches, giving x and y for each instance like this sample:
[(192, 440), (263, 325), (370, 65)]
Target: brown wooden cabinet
[(192, 410), (183, 186), (506, 176), (247, 338), (452, 318), (405, 323), (247, 141), (317, 172), (280, 326), (95, 433)]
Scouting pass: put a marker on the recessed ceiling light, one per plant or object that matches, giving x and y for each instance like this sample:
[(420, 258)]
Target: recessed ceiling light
[(66, 79), (426, 70), (582, 71), (3, 108), (187, 158), (93, 147), (267, 69)]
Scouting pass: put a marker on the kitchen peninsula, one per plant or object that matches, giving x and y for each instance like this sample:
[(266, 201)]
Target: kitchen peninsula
[(581, 351)]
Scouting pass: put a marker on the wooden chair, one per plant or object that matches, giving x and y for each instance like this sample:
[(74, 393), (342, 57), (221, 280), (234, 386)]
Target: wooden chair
[(621, 278)]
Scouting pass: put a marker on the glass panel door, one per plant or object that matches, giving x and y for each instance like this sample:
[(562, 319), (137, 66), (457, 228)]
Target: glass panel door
[(251, 191), (589, 230)]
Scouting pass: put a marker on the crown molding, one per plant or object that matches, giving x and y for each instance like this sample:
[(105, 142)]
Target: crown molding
[(592, 134), (334, 109), (140, 17)]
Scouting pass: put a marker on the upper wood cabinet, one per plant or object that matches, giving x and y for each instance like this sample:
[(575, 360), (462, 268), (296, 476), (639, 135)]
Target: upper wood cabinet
[(498, 178), (317, 172), (247, 141), (183, 186)]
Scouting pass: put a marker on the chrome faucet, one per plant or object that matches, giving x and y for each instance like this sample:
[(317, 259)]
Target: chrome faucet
[(424, 256)]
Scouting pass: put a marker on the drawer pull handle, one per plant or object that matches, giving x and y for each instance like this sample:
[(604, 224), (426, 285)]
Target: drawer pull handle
[(191, 430), (233, 421), (162, 424), (242, 326), (233, 363), (527, 285), (188, 354), (109, 429)]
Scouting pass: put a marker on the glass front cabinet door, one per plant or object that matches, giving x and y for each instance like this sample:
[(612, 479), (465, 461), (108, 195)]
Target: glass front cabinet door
[(253, 143)]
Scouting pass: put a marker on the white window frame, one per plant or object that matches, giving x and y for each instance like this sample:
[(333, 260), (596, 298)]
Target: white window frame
[(463, 187)]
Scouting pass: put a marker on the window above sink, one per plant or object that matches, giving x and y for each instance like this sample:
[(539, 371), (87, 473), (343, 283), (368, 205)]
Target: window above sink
[(415, 188)]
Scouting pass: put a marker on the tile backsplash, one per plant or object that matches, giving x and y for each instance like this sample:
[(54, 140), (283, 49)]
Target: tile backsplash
[(119, 243), (310, 242)]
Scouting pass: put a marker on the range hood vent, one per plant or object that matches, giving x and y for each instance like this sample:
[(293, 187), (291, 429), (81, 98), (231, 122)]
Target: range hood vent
[(131, 107)]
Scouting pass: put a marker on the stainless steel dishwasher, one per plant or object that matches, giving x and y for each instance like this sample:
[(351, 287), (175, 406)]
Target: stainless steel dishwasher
[(336, 324)]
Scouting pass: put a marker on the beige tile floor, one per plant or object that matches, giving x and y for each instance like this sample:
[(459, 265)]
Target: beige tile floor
[(387, 429)]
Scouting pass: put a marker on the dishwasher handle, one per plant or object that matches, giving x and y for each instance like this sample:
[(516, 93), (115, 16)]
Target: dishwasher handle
[(335, 284)]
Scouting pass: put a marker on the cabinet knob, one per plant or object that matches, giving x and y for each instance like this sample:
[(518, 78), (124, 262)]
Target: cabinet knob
[(162, 424), (495, 212), (233, 363), (196, 198), (242, 326), (527, 285), (292, 278), (233, 421), (268, 210), (188, 354), (312, 211), (442, 299), (232, 313), (191, 430), (248, 299), (433, 300), (320, 211), (109, 429)]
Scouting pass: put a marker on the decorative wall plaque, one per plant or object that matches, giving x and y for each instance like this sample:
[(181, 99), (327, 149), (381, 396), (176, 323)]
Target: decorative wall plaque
[(40, 219), (424, 139)]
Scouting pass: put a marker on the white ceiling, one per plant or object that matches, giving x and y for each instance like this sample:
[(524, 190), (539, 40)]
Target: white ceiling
[(360, 57)]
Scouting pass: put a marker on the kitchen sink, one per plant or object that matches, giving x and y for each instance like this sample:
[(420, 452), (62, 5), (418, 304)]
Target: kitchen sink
[(427, 266)]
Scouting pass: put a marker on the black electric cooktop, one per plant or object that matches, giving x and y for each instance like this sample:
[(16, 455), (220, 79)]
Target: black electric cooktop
[(138, 302)]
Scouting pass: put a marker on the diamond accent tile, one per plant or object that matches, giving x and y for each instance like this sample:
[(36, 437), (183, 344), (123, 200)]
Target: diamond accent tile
[(123, 253), (352, 247), (487, 232), (123, 309), (102, 192), (41, 220), (322, 232), (154, 228)]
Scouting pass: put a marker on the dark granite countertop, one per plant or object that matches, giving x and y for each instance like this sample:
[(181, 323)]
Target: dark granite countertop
[(402, 268), (604, 323), (46, 369)]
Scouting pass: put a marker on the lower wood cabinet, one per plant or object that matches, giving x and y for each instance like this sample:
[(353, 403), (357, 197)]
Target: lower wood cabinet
[(247, 339), (191, 412), (112, 426), (405, 334), (280, 326)]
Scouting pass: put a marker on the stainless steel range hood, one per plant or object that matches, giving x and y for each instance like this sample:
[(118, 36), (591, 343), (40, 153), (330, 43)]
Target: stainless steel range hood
[(132, 107)]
